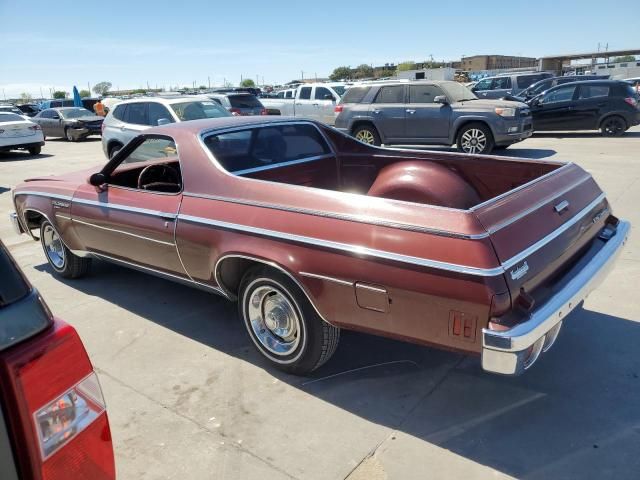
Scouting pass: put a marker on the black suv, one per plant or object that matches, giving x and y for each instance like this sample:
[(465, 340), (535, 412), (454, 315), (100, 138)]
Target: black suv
[(544, 85), (607, 105)]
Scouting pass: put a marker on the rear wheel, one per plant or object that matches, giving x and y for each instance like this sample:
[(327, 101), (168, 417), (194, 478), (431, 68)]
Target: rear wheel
[(475, 138), (283, 324), (60, 258), (613, 126), (35, 150), (367, 134)]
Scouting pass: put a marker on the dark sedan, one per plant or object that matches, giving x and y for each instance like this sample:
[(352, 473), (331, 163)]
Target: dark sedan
[(606, 105), (72, 123)]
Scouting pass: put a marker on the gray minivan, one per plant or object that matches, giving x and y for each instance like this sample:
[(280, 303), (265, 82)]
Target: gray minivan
[(507, 84)]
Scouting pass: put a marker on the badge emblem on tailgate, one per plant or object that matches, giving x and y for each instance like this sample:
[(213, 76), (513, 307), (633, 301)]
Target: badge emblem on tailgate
[(520, 271)]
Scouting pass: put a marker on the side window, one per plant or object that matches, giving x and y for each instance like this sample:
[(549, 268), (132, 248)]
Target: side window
[(119, 112), (423, 93), (501, 83), (217, 100), (45, 114), (305, 93), (563, 94), (391, 94), (593, 91), (159, 112), (151, 149), (323, 93), (137, 114), (280, 95), (484, 84), (56, 104)]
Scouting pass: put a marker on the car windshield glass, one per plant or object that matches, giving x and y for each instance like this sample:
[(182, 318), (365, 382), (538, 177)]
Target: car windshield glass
[(339, 89), (244, 101), (10, 117), (76, 113), (457, 92), (196, 110)]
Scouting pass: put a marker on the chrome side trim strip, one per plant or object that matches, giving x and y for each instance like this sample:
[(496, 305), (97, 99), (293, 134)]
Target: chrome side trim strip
[(326, 278), (556, 233), (282, 164), (347, 248), (342, 216), (122, 232), (43, 194)]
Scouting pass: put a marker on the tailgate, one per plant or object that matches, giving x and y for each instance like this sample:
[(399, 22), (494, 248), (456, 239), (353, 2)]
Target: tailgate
[(540, 228)]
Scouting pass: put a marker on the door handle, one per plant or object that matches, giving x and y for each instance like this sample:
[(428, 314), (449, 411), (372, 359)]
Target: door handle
[(410, 111), (168, 217), (316, 104)]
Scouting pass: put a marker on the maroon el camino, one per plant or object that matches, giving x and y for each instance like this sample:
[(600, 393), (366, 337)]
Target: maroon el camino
[(311, 231)]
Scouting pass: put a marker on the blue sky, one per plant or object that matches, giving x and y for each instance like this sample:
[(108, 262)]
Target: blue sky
[(58, 44)]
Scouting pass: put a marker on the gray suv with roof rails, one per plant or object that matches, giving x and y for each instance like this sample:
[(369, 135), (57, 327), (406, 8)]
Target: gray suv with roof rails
[(431, 113)]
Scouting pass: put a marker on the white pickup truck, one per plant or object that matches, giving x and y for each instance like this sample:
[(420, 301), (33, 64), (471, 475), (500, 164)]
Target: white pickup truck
[(313, 101)]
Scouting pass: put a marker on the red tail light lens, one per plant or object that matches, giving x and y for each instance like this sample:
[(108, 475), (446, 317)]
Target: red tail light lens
[(264, 112), (338, 108), (631, 101), (58, 404)]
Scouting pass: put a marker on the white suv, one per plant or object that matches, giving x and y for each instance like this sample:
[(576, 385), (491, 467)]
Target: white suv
[(130, 117)]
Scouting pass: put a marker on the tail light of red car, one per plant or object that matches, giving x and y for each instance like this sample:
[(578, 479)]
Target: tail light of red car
[(62, 428), (632, 101), (338, 108)]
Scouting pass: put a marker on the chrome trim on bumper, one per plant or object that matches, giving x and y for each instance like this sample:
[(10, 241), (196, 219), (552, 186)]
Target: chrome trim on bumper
[(13, 217), (512, 351)]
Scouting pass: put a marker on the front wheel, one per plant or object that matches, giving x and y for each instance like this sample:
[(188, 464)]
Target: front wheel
[(69, 135), (613, 126), (475, 138), (283, 324), (60, 258), (367, 134)]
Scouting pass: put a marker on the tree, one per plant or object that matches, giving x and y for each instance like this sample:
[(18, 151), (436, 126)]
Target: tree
[(364, 71), (340, 73), (60, 94), (624, 58), (202, 87), (404, 66), (84, 93), (25, 97), (101, 88), (384, 73), (247, 82)]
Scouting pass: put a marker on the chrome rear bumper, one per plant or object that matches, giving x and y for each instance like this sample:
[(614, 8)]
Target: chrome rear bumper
[(13, 217), (511, 352)]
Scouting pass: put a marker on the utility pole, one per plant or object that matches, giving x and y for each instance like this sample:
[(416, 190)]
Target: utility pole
[(209, 81), (302, 73), (4, 95)]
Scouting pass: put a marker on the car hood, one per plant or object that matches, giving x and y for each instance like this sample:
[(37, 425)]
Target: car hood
[(79, 176), (488, 105), (88, 118)]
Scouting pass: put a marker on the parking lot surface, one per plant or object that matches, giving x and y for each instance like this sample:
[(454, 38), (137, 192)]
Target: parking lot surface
[(189, 397)]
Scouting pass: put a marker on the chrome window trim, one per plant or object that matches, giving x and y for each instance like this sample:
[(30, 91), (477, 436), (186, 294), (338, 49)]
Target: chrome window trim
[(326, 278), (282, 164)]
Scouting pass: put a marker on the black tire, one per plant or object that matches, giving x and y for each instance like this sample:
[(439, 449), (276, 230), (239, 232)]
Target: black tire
[(314, 341), (613, 126), (367, 134), (35, 150), (69, 136), (67, 265), (483, 138), (113, 149)]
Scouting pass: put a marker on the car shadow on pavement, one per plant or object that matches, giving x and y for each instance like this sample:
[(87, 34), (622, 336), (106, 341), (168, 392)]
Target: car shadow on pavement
[(574, 415), (4, 189), (19, 156), (64, 140), (534, 153), (584, 134)]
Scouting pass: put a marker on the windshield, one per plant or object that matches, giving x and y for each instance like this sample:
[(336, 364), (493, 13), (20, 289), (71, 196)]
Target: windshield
[(457, 92), (75, 113), (537, 88), (339, 89), (197, 110), (244, 101)]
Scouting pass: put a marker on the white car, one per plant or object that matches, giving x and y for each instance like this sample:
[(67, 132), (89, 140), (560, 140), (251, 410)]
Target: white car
[(18, 133)]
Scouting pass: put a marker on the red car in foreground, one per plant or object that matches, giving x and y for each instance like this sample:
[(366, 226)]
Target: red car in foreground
[(312, 231), (53, 421)]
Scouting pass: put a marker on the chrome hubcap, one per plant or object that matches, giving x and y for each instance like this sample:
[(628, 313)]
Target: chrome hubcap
[(365, 136), (53, 246), (274, 320), (474, 141)]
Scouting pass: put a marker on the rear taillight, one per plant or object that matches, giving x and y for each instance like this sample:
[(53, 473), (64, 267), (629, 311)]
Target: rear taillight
[(57, 402), (338, 108), (35, 127), (264, 112), (631, 101), (235, 111)]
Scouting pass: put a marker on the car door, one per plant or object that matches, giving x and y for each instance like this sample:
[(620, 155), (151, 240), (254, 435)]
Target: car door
[(554, 110), (135, 121), (303, 104), (57, 124), (589, 106), (388, 112), (125, 223), (43, 119), (324, 101), (500, 87), (424, 118)]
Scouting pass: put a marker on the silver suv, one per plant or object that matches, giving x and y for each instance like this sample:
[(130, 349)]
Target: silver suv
[(130, 117)]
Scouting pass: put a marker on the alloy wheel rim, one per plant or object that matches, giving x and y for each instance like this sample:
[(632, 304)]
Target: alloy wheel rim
[(474, 141), (613, 127), (274, 320), (53, 247), (365, 136), (69, 136)]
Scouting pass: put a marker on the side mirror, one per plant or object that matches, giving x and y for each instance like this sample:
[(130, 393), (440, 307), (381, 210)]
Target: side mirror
[(98, 179), (442, 99), (163, 121)]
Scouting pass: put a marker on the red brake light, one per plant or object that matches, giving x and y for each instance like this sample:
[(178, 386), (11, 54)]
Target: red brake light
[(338, 108), (59, 409), (631, 101)]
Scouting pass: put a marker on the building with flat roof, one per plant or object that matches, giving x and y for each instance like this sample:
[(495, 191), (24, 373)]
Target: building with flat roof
[(496, 62)]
